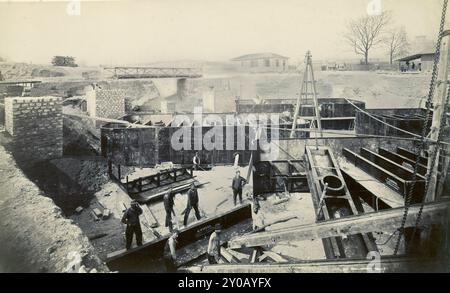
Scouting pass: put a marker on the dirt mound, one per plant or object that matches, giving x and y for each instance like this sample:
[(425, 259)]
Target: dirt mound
[(14, 71), (45, 73), (35, 236), (28, 71)]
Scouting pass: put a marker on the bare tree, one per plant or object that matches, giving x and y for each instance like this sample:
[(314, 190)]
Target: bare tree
[(366, 32), (396, 41)]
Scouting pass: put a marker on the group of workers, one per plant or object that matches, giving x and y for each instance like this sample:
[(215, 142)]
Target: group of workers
[(170, 249), (131, 219), (192, 203)]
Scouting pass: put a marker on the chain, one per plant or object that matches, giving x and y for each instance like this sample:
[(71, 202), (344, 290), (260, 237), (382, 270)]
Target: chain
[(433, 158), (427, 121)]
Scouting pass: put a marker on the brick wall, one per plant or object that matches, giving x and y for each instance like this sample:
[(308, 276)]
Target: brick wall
[(109, 103), (36, 125)]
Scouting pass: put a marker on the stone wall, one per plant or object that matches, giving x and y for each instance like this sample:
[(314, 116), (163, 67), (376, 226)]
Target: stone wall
[(109, 103), (36, 125)]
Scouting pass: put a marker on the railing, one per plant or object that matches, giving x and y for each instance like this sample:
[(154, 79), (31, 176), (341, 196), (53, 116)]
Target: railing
[(147, 183), (154, 72)]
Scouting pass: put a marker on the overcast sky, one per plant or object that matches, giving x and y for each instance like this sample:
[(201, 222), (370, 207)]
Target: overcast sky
[(126, 32)]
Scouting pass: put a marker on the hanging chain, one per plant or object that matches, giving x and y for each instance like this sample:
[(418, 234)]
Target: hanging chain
[(441, 134), (427, 121)]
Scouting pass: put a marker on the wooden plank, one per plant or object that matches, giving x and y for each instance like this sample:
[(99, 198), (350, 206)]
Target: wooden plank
[(188, 235), (439, 111), (262, 257), (242, 257), (275, 256), (200, 247), (387, 265), (146, 198), (386, 220), (254, 256), (229, 257)]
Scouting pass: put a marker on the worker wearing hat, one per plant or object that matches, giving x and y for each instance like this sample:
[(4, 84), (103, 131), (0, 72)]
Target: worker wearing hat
[(196, 161), (170, 255), (237, 184), (168, 207), (192, 203), (131, 219), (214, 245)]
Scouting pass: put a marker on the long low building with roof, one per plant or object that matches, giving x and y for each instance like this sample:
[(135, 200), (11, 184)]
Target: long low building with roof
[(422, 61), (262, 62)]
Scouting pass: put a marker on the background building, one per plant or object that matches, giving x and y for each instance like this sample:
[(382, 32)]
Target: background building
[(417, 62), (262, 62)]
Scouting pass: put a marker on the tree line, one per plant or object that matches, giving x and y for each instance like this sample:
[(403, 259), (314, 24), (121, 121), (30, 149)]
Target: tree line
[(367, 32)]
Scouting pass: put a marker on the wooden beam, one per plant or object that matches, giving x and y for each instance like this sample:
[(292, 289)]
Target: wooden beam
[(188, 236), (412, 156), (386, 220), (386, 265), (396, 183), (228, 256), (439, 109), (399, 159), (391, 166)]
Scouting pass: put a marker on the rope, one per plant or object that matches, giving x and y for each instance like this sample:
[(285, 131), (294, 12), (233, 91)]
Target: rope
[(355, 135), (387, 124)]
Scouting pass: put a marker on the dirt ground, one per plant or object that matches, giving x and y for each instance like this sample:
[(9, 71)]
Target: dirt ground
[(34, 234), (107, 235), (73, 182)]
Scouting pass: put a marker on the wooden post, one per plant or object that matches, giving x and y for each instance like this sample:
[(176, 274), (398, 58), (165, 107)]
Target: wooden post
[(444, 171), (438, 108)]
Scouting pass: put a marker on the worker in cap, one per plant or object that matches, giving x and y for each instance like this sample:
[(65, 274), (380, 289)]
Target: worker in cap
[(214, 245), (237, 184), (168, 206), (196, 161), (192, 203), (170, 254), (131, 219)]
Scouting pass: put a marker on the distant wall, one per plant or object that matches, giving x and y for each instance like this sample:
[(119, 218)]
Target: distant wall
[(152, 145), (411, 120), (36, 125)]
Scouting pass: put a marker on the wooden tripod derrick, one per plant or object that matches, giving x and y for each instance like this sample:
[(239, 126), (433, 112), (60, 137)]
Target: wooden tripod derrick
[(307, 99)]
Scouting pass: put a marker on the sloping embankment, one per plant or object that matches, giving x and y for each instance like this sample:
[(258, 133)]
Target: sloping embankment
[(35, 237)]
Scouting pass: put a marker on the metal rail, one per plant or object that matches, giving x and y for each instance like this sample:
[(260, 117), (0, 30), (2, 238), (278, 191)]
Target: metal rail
[(154, 72)]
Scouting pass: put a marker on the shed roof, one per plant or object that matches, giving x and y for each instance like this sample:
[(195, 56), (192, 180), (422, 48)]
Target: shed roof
[(258, 56), (415, 56)]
